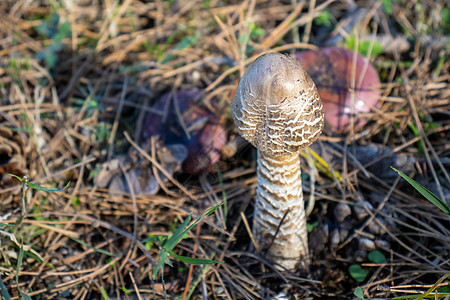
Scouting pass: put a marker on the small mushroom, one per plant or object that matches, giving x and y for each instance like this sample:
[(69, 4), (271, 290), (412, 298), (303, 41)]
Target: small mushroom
[(366, 244), (335, 238), (277, 108), (361, 209), (342, 211)]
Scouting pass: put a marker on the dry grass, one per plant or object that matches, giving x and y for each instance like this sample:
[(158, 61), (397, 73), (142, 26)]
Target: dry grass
[(121, 56)]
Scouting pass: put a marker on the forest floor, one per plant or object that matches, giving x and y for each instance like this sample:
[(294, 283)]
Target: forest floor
[(116, 116)]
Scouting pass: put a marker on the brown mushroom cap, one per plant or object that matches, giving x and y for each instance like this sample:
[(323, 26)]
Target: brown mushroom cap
[(345, 89), (276, 106)]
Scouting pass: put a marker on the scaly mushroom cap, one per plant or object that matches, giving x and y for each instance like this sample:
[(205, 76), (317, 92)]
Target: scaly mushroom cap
[(276, 106)]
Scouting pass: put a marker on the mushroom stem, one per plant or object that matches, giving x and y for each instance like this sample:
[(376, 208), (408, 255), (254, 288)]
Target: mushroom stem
[(279, 197)]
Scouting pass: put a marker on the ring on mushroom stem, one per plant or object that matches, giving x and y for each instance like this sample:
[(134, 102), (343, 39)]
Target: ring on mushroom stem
[(277, 108)]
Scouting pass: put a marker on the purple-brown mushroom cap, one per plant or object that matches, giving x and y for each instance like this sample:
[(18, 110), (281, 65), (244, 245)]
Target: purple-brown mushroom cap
[(206, 135), (332, 71)]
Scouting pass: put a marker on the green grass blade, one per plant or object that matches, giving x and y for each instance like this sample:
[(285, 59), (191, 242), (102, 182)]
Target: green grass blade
[(104, 294), (168, 261), (204, 214), (38, 187), (175, 238), (194, 261), (417, 296), (4, 291), (182, 230), (19, 264), (160, 264), (164, 286), (224, 197), (168, 245), (417, 134), (426, 193), (435, 286), (44, 189)]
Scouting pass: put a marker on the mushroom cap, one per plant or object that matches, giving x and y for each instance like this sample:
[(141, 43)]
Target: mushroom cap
[(276, 106), (336, 75), (207, 135)]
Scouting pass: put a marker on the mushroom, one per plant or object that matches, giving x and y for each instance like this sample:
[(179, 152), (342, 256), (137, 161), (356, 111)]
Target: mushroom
[(277, 108)]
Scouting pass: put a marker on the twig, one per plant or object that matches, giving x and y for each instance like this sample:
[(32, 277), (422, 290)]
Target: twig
[(135, 286), (116, 120), (249, 231)]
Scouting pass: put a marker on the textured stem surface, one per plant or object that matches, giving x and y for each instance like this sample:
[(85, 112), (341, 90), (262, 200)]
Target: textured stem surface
[(279, 192)]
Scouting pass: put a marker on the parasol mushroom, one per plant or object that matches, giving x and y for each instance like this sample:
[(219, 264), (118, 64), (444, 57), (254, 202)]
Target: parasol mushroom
[(277, 108)]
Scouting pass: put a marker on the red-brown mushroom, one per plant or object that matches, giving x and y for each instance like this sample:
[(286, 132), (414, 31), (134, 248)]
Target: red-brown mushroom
[(346, 89)]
